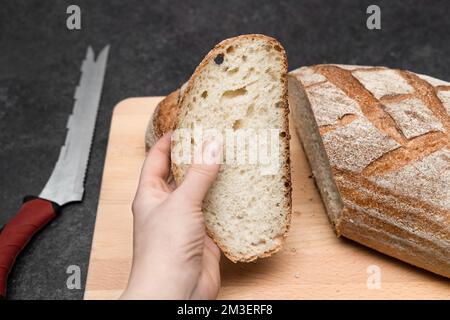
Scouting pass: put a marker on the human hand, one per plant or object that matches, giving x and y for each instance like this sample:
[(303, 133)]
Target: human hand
[(173, 257)]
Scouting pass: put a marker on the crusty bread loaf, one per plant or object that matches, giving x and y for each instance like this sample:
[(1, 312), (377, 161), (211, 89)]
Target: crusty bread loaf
[(240, 84), (377, 141)]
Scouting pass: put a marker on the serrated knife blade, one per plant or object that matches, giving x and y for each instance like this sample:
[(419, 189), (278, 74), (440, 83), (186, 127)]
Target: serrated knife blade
[(66, 182)]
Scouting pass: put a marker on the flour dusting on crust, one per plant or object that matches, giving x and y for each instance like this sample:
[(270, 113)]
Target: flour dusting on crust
[(307, 76), (356, 145), (338, 103), (413, 117), (383, 82), (427, 179)]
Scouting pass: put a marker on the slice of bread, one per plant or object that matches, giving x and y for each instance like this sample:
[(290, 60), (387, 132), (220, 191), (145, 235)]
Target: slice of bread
[(240, 84)]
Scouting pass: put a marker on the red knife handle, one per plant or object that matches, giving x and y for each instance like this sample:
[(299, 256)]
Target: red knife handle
[(34, 214)]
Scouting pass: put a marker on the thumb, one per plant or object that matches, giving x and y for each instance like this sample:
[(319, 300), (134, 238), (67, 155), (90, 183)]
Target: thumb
[(202, 173)]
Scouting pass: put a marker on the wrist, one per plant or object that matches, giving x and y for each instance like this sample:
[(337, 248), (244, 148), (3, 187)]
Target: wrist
[(172, 285)]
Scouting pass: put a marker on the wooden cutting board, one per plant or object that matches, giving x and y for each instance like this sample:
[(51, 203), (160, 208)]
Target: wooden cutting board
[(313, 264)]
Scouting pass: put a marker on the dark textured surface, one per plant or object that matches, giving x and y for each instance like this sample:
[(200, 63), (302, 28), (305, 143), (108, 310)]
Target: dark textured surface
[(155, 45)]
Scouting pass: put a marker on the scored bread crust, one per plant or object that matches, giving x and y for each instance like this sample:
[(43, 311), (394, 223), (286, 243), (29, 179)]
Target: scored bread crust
[(389, 188), (163, 121)]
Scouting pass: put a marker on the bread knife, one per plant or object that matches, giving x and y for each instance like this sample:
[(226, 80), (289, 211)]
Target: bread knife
[(66, 182)]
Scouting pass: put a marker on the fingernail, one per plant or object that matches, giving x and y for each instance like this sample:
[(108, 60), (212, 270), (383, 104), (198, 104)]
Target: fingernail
[(212, 152)]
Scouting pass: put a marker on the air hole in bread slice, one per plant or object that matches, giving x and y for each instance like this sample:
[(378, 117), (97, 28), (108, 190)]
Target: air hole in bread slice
[(230, 94), (230, 49), (237, 125), (249, 73), (233, 70), (219, 59), (278, 48), (271, 74), (250, 110)]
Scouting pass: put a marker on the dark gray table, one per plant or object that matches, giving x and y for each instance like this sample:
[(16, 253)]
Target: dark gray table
[(155, 45)]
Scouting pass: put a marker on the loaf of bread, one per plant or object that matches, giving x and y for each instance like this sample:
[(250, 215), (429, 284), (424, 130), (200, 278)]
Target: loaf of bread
[(377, 141), (240, 84)]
